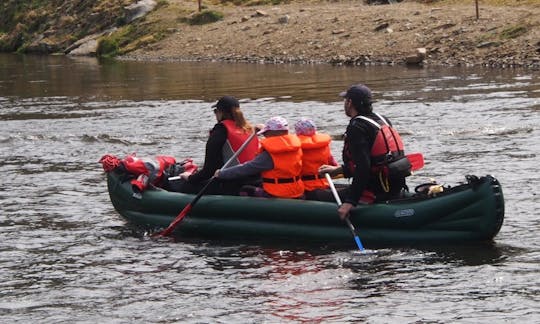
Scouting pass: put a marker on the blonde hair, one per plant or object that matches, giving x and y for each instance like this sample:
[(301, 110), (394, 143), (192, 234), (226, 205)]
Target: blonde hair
[(238, 117)]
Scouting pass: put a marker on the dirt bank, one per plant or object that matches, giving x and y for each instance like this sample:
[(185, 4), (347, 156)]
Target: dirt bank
[(351, 32)]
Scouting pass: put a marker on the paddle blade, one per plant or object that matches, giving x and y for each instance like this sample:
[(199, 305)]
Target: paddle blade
[(416, 160), (355, 235), (358, 243), (178, 219)]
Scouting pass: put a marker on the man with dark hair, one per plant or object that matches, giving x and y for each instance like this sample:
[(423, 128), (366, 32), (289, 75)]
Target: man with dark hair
[(370, 145)]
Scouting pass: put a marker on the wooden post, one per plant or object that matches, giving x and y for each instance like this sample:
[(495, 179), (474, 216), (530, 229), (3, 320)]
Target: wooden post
[(200, 5), (477, 12)]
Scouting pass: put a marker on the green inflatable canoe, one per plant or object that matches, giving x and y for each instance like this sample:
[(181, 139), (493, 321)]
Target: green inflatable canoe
[(469, 212)]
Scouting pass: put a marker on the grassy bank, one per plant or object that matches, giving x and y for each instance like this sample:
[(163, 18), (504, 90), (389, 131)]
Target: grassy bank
[(50, 26)]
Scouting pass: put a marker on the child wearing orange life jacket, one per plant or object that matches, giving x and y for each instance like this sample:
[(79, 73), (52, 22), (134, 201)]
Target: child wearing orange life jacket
[(315, 152), (279, 162)]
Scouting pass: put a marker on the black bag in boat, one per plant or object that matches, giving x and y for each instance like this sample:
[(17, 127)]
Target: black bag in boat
[(399, 168)]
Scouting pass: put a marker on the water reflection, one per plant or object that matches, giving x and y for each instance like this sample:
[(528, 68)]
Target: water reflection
[(112, 80)]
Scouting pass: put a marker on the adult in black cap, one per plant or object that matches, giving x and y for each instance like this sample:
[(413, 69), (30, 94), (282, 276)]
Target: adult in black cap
[(366, 153), (226, 137)]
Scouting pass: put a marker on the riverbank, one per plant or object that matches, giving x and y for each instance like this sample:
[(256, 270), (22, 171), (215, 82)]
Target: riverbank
[(506, 33), (350, 32)]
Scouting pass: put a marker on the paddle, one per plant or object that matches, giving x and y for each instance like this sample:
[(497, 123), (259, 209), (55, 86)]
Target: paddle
[(417, 161), (338, 201), (188, 207)]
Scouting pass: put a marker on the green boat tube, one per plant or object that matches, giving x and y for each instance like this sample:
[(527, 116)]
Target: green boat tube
[(469, 212)]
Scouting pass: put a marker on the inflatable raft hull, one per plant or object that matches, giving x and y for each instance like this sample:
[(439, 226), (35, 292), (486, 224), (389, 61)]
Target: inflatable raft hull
[(470, 212)]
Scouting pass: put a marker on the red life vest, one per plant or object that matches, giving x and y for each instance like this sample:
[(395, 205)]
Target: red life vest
[(388, 160), (315, 152), (387, 145), (235, 138), (284, 179), (386, 152)]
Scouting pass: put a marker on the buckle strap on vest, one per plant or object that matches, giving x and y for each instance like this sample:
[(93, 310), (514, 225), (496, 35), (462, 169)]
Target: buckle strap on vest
[(280, 180), (311, 177)]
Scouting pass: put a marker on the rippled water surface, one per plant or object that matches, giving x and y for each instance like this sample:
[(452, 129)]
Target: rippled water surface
[(67, 256)]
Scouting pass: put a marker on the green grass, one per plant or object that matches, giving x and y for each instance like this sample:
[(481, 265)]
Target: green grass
[(514, 31), (204, 17), (110, 46)]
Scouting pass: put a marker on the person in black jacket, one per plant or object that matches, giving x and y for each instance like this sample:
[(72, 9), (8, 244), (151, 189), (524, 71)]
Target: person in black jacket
[(367, 186)]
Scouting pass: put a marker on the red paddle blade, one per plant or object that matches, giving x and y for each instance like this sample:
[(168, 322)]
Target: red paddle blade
[(417, 161), (172, 226)]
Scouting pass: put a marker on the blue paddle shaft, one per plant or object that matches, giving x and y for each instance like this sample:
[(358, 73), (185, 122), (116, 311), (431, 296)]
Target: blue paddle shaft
[(347, 220)]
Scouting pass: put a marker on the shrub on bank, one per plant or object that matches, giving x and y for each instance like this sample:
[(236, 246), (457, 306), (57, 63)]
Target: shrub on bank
[(107, 47), (204, 17), (513, 32)]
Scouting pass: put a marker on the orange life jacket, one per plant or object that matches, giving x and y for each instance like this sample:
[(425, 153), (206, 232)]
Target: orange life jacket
[(315, 152), (284, 179), (235, 138)]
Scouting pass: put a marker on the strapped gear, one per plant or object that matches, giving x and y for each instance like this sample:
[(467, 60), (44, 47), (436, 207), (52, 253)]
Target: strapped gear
[(144, 171), (109, 162)]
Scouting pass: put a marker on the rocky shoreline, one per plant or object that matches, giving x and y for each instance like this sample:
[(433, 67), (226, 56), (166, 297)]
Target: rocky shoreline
[(339, 32), (348, 33)]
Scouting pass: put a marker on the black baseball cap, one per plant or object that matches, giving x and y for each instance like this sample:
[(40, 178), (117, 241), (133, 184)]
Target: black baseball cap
[(226, 103), (358, 93)]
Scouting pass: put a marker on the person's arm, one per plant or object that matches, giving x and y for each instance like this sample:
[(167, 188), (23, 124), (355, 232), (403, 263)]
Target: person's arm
[(332, 170), (213, 159), (360, 149), (332, 167), (260, 163)]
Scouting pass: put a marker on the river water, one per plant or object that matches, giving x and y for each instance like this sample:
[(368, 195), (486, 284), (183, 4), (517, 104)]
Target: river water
[(66, 256)]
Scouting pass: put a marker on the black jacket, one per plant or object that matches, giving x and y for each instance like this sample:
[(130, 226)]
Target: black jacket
[(359, 138), (213, 159)]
